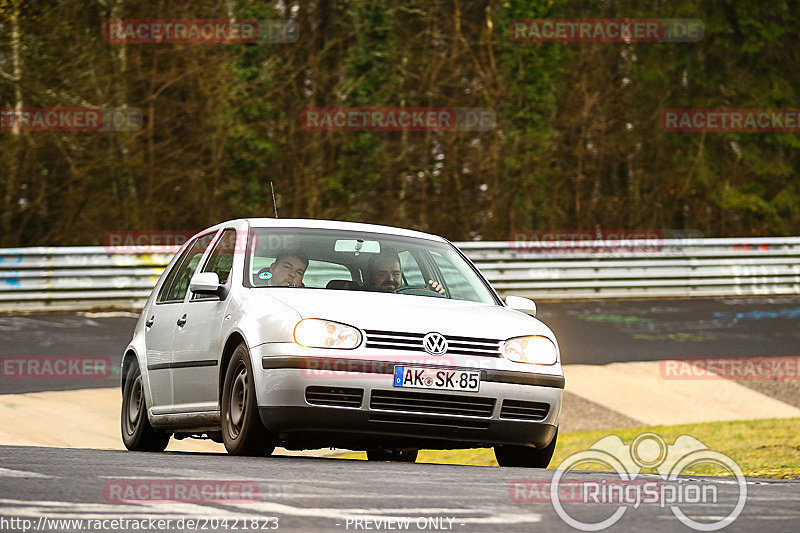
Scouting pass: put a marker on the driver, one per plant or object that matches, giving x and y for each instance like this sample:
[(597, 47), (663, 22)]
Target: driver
[(385, 274)]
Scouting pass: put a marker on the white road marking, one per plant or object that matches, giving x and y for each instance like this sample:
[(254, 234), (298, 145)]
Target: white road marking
[(7, 472), (384, 514), (56, 509), (171, 474), (109, 314)]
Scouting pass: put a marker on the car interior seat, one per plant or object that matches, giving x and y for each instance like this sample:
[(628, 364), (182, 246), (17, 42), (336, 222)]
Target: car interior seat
[(341, 284)]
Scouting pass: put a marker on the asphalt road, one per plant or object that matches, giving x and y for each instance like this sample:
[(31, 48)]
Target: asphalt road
[(63, 335), (316, 494), (600, 332), (589, 332)]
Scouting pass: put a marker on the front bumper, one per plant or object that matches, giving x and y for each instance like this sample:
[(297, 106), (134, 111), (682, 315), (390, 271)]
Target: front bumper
[(417, 418)]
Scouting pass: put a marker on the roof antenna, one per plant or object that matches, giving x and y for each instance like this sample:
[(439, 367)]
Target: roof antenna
[(273, 199)]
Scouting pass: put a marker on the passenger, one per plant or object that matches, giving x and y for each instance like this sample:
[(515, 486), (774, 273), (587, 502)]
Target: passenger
[(288, 269), (385, 274)]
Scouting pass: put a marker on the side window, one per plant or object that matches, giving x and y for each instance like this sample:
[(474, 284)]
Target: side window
[(185, 271), (220, 260), (162, 293), (411, 271)]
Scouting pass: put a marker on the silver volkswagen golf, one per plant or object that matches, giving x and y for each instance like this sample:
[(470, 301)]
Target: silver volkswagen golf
[(309, 334)]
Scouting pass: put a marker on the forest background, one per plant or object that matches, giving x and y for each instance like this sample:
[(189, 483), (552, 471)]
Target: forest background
[(577, 142)]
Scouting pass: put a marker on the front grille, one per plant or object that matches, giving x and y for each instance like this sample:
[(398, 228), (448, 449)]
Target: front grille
[(394, 340), (421, 402), (524, 410), (334, 396)]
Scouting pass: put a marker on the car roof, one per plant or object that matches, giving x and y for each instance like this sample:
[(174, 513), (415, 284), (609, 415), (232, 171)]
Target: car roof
[(326, 224)]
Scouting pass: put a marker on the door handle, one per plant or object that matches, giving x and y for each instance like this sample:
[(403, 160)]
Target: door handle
[(182, 320), (149, 321)]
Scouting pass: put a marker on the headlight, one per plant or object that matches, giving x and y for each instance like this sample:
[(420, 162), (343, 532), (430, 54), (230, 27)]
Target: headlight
[(318, 333), (534, 349)]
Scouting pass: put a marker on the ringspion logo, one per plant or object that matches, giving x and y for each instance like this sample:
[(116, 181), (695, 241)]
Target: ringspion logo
[(629, 488)]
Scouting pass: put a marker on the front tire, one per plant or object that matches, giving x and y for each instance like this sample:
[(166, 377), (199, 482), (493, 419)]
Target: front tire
[(137, 433), (400, 456), (525, 456), (242, 430)]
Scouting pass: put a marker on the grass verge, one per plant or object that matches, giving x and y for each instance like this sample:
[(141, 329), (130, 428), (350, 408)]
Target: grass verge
[(762, 448)]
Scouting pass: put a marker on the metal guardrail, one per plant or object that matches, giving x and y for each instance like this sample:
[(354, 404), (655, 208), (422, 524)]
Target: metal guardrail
[(668, 268), (80, 278)]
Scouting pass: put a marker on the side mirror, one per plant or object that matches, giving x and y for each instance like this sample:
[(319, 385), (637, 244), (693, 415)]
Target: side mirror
[(206, 283), (519, 303)]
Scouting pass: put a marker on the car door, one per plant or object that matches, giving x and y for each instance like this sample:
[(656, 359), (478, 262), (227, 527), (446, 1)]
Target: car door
[(197, 345), (162, 321)]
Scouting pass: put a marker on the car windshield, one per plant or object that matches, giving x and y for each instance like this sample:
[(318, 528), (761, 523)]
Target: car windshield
[(361, 261)]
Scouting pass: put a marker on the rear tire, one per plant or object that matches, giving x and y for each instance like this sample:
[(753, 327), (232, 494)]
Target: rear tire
[(137, 433), (525, 456), (399, 456), (242, 430)]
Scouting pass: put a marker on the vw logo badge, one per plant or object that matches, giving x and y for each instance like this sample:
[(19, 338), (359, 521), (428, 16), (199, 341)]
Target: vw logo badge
[(434, 343)]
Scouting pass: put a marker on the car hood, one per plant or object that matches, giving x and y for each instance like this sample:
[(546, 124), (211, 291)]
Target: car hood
[(408, 313)]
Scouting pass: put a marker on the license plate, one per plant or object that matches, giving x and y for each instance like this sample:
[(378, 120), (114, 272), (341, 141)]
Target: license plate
[(417, 377)]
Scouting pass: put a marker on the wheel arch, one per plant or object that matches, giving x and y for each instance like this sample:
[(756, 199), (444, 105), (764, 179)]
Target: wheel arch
[(127, 359), (234, 339)]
